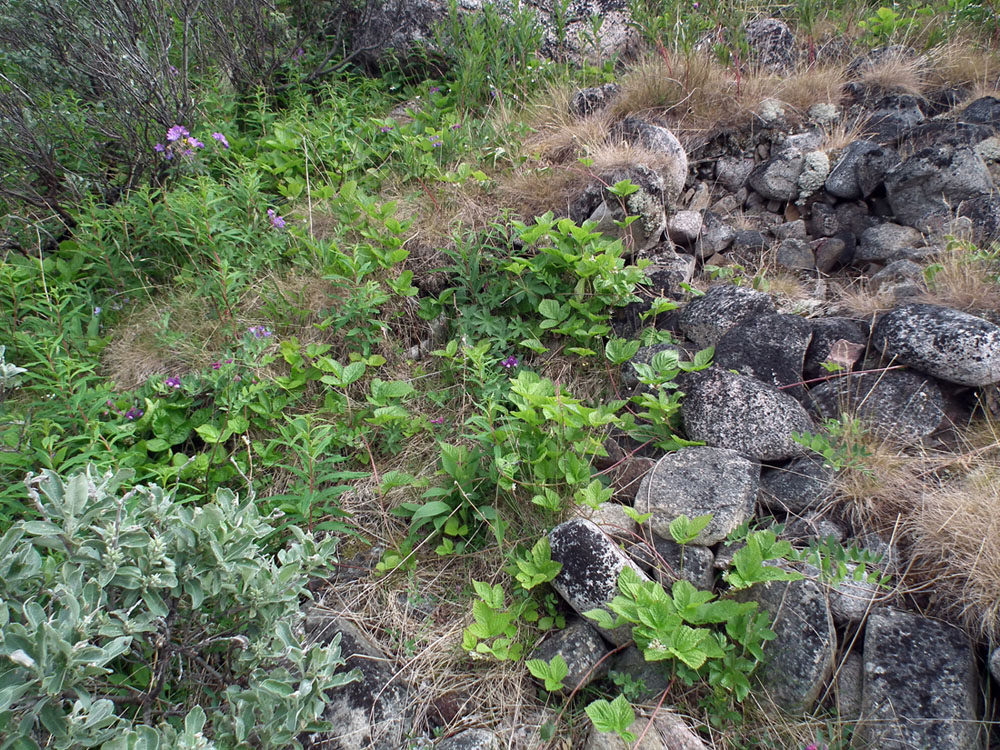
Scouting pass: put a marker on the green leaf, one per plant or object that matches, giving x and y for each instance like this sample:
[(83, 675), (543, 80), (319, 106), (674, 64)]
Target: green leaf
[(552, 672), (685, 530), (616, 716)]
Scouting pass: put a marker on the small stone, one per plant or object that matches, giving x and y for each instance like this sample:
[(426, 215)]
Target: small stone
[(796, 255), (590, 100), (847, 684), (822, 221), (887, 242), (840, 339), (894, 273), (778, 178), (684, 227), (583, 650), (716, 236)]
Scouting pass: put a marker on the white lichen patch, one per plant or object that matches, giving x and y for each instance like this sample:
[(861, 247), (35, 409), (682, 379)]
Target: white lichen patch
[(824, 113), (814, 173)]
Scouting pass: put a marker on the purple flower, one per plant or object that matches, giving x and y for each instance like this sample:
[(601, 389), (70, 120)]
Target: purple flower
[(221, 139), (259, 332), (216, 365), (195, 143), (159, 148), (173, 382), (173, 70), (439, 420), (134, 413), (456, 126), (385, 128), (299, 52), (177, 132), (277, 222), (97, 311), (510, 362), (434, 89)]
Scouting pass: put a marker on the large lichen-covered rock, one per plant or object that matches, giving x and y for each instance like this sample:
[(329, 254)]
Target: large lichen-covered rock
[(800, 660), (668, 732), (696, 481), (925, 188), (920, 685), (802, 485), (771, 348), (899, 404), (778, 178), (706, 318), (940, 341), (377, 711), (591, 563), (671, 158), (726, 410)]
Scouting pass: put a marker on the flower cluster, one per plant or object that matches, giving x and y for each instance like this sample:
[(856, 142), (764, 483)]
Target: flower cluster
[(218, 365), (278, 222), (435, 141), (438, 420), (173, 382), (134, 412), (259, 332), (509, 363), (180, 142), (386, 128)]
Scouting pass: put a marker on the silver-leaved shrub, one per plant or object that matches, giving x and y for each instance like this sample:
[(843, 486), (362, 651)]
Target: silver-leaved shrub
[(131, 621)]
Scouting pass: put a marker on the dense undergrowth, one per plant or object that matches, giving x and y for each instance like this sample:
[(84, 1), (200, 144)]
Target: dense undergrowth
[(318, 298)]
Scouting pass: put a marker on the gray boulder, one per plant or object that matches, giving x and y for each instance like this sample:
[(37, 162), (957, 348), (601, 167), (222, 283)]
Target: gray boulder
[(684, 227), (800, 660), (778, 178), (983, 214), (581, 647), (591, 563), (847, 687), (860, 169), (667, 271), (706, 318), (587, 101), (946, 343), (899, 404), (672, 159), (920, 685), (470, 739), (886, 242), (983, 111), (796, 255), (695, 481), (771, 348), (733, 411), (802, 485), (375, 712), (597, 204), (716, 236), (895, 275), (893, 116), (772, 45), (927, 186)]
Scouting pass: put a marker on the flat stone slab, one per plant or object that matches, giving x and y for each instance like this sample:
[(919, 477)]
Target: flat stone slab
[(920, 685), (695, 481), (946, 343), (726, 410)]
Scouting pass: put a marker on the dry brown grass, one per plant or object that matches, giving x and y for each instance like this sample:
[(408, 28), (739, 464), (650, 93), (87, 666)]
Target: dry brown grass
[(895, 74), (962, 62), (964, 279)]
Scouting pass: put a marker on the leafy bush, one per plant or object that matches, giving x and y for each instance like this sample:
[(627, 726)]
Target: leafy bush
[(122, 612)]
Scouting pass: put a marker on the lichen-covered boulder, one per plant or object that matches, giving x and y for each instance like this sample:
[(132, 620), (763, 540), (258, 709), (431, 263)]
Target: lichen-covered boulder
[(704, 319), (581, 647), (940, 341), (771, 348), (470, 739), (778, 178), (920, 685), (727, 410), (803, 484), (696, 481), (591, 563)]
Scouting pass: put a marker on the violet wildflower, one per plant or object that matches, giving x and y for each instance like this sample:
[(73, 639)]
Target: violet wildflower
[(216, 365), (456, 126), (159, 148), (221, 139), (134, 413), (386, 128), (194, 143), (177, 132), (299, 52), (173, 382), (509, 363), (439, 420), (97, 311), (278, 222), (434, 89), (173, 70), (259, 332)]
